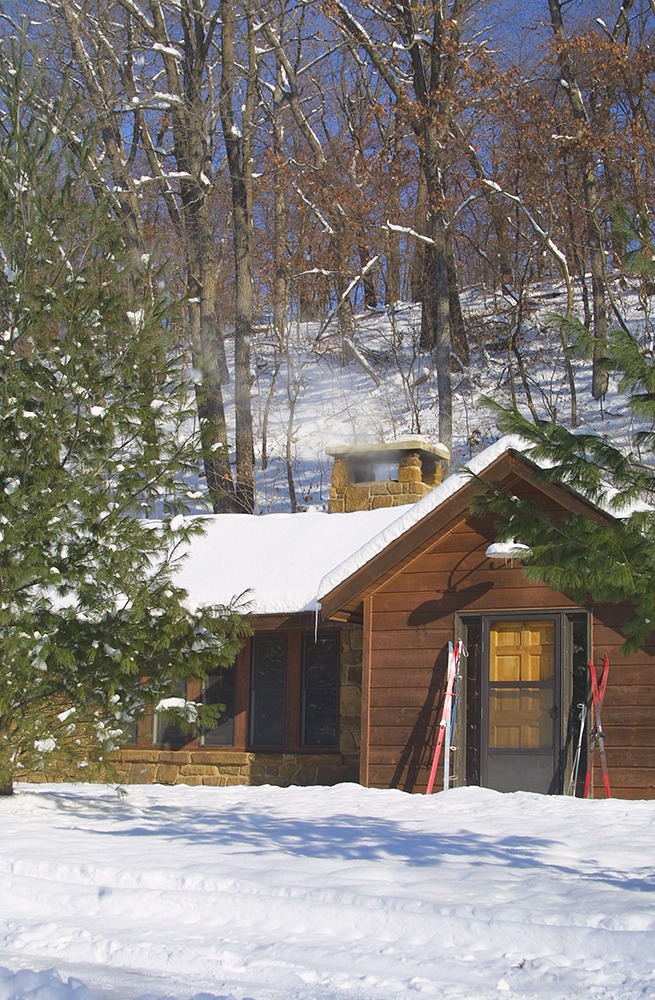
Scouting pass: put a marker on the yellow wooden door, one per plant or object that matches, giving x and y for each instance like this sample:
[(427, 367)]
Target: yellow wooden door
[(521, 679)]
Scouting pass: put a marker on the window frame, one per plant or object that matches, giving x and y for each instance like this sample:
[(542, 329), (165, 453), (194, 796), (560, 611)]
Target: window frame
[(296, 637)]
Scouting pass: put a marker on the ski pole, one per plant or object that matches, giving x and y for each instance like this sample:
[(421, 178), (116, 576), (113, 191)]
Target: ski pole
[(573, 783), (460, 650)]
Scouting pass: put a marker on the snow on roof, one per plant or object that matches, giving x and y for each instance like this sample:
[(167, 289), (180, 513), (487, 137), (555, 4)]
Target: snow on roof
[(412, 515), (278, 558)]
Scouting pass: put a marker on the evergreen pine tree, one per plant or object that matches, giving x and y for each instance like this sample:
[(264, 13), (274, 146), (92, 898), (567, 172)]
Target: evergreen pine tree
[(596, 561), (93, 439)]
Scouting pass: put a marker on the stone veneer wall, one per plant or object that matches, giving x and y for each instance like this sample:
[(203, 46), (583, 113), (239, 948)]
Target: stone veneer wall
[(414, 482), (224, 766)]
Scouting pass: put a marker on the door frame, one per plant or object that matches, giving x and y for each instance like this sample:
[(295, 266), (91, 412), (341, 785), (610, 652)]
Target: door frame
[(572, 627)]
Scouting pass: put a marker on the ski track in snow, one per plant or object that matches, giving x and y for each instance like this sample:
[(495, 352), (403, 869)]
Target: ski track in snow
[(323, 894)]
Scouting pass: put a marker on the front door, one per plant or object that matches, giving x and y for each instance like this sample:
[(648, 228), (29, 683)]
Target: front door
[(524, 679), (520, 704)]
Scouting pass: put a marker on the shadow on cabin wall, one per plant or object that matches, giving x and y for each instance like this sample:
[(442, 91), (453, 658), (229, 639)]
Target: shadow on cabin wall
[(614, 618), (416, 757), (453, 601)]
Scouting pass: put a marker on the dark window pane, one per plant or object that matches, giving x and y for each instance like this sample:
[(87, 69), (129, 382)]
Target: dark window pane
[(269, 661), (577, 708), (320, 674), (130, 734), (268, 690), (320, 729), (473, 643), (169, 735), (219, 690), (320, 691), (268, 718)]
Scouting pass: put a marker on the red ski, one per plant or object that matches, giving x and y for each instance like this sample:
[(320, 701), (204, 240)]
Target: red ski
[(597, 736), (446, 716)]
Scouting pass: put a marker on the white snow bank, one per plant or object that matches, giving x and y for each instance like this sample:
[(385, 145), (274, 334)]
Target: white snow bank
[(341, 893)]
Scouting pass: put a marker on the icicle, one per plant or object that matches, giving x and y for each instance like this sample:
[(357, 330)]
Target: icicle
[(316, 614)]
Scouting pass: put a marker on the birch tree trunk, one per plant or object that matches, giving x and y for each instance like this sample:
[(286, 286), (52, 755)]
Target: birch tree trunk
[(238, 146)]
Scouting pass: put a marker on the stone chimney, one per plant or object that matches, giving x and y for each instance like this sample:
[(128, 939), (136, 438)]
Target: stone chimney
[(389, 474)]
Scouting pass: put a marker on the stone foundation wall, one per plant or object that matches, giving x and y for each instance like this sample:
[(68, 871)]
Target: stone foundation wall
[(228, 767)]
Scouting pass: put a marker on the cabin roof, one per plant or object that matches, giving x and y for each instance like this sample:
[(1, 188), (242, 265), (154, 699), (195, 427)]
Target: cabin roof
[(290, 563), (343, 588), (275, 560)]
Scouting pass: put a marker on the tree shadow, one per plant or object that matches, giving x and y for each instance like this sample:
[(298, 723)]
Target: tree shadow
[(341, 836), (415, 757)]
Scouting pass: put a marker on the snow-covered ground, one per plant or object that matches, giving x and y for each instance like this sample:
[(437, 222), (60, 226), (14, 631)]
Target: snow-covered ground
[(337, 893)]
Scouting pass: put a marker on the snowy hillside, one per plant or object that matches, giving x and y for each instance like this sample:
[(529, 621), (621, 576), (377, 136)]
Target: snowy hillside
[(314, 399), (338, 893)]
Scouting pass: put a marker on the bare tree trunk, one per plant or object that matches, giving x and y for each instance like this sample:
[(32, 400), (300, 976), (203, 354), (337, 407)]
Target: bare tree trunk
[(280, 238), (392, 292), (293, 399), (206, 336), (368, 281), (344, 312), (6, 783), (591, 202), (211, 415), (392, 285), (438, 295), (459, 338), (418, 266), (240, 167), (207, 358)]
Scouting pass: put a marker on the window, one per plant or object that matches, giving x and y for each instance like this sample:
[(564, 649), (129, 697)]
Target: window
[(281, 694), (521, 685), (320, 691), (268, 683), (219, 690)]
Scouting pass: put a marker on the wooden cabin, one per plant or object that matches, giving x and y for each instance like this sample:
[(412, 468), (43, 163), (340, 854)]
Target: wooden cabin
[(349, 687)]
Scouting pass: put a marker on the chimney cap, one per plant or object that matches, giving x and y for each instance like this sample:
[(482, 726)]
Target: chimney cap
[(389, 448)]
